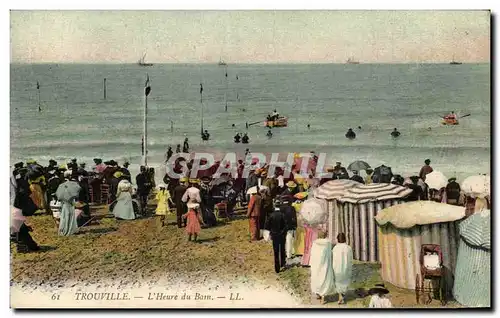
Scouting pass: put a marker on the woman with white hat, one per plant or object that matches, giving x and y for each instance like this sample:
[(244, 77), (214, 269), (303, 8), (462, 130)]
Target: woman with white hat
[(193, 218), (379, 297), (163, 197)]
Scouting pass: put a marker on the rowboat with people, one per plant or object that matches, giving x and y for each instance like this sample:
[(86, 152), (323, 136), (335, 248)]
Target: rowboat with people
[(275, 120), (279, 122), (451, 119)]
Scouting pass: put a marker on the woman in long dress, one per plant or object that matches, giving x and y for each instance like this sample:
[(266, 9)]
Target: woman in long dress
[(67, 193), (37, 193), (163, 197), (311, 234), (342, 266), (322, 278), (193, 217), (300, 235), (124, 207)]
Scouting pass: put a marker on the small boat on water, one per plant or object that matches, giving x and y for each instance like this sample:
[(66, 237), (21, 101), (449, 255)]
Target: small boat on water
[(351, 61), (142, 61), (455, 62), (222, 63), (449, 121), (280, 122)]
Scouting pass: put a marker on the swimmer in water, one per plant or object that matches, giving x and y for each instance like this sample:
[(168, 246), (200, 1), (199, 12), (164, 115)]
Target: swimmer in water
[(359, 127), (308, 126)]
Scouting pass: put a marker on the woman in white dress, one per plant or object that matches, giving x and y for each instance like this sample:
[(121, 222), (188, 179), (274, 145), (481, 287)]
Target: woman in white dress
[(342, 266)]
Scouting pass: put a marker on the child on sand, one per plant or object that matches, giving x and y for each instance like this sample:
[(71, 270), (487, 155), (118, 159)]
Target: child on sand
[(163, 197), (193, 220), (379, 297)]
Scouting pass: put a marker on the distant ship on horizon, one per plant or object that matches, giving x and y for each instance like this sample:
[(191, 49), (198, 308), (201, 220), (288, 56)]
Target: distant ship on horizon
[(222, 63), (351, 61), (454, 62), (142, 62)]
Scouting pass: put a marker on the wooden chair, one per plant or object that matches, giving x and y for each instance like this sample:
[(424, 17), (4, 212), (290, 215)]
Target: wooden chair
[(104, 193)]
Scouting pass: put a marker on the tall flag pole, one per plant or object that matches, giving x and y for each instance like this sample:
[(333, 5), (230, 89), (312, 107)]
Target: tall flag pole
[(147, 90), (38, 92), (201, 102)]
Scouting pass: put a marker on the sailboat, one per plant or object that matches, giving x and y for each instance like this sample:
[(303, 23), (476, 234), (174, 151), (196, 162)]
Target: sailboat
[(142, 62), (222, 63), (351, 61), (453, 62)]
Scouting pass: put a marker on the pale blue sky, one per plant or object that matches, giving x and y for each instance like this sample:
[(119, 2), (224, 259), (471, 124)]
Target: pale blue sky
[(249, 36)]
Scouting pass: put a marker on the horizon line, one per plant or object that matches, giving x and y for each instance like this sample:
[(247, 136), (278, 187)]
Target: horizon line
[(245, 63)]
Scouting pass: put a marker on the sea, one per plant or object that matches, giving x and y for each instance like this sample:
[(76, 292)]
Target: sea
[(77, 121)]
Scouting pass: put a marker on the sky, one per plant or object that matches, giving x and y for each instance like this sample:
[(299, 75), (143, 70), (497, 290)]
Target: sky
[(249, 36)]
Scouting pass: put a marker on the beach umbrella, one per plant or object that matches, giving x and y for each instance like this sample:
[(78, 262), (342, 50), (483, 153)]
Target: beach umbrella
[(407, 215), (219, 181), (313, 211), (476, 229), (375, 192), (68, 191), (476, 186), (334, 189), (253, 190), (358, 166), (436, 180)]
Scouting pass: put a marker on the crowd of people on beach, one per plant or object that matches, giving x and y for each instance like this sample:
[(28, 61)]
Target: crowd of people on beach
[(272, 202)]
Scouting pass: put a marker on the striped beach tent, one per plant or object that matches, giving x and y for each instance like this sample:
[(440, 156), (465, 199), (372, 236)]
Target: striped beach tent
[(359, 207), (402, 229), (472, 285), (331, 191)]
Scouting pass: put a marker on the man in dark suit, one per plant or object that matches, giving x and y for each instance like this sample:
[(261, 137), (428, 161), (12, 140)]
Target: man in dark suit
[(277, 227), (180, 207), (143, 188)]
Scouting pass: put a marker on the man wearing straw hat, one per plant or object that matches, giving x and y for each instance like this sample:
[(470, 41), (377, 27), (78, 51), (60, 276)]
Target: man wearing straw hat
[(290, 189)]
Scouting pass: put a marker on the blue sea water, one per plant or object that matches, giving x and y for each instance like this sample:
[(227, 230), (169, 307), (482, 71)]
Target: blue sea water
[(76, 120)]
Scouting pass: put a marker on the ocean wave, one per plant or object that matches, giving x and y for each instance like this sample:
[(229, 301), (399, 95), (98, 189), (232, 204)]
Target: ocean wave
[(223, 144)]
